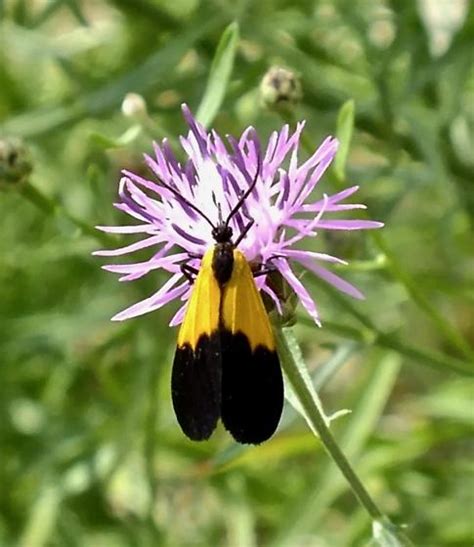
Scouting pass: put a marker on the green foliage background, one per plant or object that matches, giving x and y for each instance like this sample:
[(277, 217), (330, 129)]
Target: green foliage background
[(90, 454)]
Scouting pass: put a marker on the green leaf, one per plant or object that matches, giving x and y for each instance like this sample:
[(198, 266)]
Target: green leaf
[(219, 75), (345, 126)]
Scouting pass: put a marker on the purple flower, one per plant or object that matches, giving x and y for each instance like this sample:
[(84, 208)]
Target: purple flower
[(212, 179)]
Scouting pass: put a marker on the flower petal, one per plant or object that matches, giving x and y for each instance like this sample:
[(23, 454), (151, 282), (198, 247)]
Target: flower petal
[(137, 246), (164, 295), (331, 278), (349, 224), (302, 255), (178, 317), (152, 264), (134, 229)]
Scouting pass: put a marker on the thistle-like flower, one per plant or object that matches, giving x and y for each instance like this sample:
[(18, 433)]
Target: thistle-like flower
[(211, 180)]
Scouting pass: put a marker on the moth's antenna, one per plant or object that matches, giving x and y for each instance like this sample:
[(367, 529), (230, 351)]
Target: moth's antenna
[(184, 200), (219, 214), (246, 194)]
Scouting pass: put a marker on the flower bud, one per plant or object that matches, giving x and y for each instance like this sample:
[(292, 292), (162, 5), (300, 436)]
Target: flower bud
[(280, 87), (15, 163), (134, 106)]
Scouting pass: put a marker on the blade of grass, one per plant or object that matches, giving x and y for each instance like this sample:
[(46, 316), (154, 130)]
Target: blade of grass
[(41, 520), (328, 369), (345, 126), (436, 360), (240, 519), (219, 75), (418, 296)]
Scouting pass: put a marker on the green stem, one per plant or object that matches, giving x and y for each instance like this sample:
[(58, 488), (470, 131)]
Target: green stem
[(289, 354), (52, 207), (40, 200), (436, 360), (371, 334), (449, 332)]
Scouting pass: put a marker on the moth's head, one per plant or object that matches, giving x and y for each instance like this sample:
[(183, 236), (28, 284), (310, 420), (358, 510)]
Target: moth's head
[(222, 233)]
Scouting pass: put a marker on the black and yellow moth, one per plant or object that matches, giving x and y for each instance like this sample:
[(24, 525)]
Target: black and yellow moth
[(226, 365)]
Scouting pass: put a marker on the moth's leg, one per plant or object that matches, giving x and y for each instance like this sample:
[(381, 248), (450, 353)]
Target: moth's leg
[(264, 270), (189, 272), (268, 268)]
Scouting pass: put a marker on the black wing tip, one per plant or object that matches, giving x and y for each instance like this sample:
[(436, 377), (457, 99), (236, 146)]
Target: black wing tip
[(251, 437), (197, 432), (196, 389), (223, 377), (252, 390)]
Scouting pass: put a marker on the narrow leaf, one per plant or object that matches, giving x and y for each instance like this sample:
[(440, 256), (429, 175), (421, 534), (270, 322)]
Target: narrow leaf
[(219, 75), (106, 143), (41, 520), (345, 126)]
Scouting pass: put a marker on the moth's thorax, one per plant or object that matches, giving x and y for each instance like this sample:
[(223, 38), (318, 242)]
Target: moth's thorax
[(223, 262)]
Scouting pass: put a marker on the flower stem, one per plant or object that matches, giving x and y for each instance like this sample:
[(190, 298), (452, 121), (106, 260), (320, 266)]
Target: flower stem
[(318, 421), (289, 355)]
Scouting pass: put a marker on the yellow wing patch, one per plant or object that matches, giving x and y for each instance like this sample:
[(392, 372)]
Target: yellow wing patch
[(202, 313), (242, 307)]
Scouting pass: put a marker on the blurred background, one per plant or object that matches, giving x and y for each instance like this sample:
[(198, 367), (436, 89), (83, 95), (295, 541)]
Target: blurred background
[(90, 452)]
